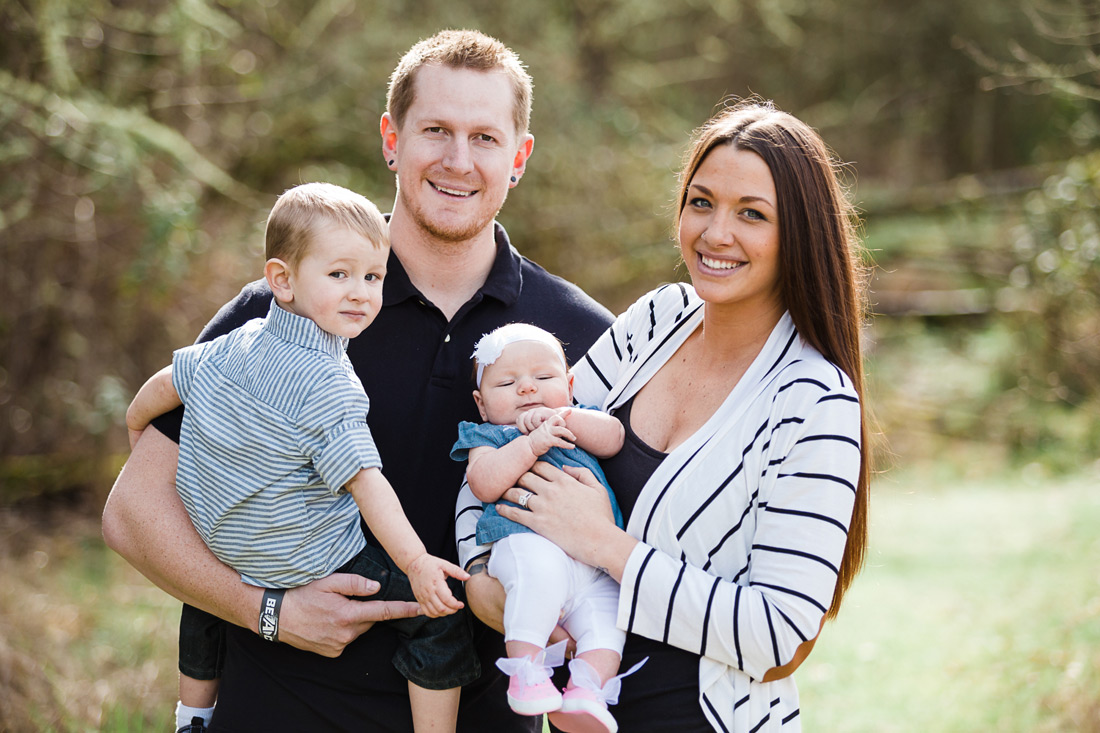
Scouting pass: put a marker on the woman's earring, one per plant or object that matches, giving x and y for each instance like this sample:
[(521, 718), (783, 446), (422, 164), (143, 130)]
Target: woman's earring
[(390, 163), (513, 179)]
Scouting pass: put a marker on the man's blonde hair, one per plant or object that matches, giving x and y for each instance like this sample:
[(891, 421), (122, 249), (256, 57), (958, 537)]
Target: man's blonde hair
[(459, 49), (304, 209)]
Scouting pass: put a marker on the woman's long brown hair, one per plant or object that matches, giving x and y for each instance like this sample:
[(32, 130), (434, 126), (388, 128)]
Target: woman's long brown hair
[(822, 275)]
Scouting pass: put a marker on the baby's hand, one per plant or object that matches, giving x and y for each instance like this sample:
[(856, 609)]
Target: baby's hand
[(531, 419), (552, 432), (428, 577)]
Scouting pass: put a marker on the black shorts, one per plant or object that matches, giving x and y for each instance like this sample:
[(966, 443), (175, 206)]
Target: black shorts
[(433, 653)]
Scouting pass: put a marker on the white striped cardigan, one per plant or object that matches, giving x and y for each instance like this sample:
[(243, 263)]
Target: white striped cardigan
[(742, 528)]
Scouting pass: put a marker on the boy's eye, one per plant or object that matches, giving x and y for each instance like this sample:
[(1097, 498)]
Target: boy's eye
[(337, 275)]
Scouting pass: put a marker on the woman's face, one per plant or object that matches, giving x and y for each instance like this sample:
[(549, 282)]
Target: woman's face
[(729, 231)]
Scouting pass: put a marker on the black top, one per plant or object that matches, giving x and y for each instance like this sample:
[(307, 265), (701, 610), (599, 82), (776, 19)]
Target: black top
[(664, 694), (416, 369)]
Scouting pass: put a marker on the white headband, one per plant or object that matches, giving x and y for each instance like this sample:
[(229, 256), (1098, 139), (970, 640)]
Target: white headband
[(491, 345)]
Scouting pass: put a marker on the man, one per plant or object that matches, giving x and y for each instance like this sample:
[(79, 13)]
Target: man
[(455, 133)]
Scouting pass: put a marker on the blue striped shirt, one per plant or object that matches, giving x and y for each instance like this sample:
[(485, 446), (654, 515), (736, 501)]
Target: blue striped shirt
[(275, 426)]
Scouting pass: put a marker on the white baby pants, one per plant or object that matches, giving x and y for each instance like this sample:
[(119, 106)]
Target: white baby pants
[(543, 585)]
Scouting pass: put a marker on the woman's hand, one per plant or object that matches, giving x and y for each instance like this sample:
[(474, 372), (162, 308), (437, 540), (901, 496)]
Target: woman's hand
[(571, 509)]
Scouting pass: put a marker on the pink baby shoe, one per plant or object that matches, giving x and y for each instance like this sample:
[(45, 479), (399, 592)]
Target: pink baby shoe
[(530, 691), (584, 705)]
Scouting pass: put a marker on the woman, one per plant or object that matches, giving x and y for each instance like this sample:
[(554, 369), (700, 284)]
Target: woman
[(744, 478)]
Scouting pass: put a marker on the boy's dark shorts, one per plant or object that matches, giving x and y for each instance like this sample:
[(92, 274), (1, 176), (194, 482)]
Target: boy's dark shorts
[(433, 653)]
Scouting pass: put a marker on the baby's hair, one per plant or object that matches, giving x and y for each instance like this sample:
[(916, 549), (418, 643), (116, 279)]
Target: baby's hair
[(491, 345), (304, 209)]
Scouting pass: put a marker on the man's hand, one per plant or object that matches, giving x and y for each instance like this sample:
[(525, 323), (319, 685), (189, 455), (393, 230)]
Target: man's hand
[(428, 577), (322, 618)]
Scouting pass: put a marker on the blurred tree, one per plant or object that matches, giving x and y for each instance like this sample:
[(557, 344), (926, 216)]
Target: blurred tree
[(98, 209), (1056, 245), (143, 143)]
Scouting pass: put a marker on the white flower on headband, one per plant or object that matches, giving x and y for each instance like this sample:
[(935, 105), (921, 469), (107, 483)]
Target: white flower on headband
[(491, 345)]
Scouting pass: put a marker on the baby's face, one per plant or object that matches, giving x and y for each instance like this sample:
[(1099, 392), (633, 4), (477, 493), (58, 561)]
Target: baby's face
[(528, 374)]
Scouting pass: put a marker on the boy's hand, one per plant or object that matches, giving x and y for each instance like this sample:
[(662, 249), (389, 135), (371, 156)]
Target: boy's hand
[(531, 419), (552, 432), (428, 576)]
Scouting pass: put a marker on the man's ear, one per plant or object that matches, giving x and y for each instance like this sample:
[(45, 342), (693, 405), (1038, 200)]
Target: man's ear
[(480, 406), (570, 375), (277, 273), (519, 163), (388, 128)]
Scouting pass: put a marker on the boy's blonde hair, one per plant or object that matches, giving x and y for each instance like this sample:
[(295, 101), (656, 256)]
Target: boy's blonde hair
[(304, 209)]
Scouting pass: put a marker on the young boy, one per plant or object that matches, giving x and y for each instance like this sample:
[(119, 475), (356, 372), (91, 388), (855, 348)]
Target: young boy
[(277, 462), (525, 395)]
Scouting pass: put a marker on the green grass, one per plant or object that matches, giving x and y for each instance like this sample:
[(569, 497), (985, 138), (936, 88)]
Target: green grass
[(979, 610)]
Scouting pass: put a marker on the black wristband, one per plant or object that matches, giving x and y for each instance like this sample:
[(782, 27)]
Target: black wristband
[(269, 613)]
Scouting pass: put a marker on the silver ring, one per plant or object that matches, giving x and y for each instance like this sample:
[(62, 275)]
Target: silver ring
[(525, 498)]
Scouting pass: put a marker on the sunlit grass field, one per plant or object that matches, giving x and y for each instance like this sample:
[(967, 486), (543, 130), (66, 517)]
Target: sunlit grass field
[(979, 610)]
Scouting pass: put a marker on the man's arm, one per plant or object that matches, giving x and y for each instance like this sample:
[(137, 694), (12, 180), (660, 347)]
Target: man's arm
[(145, 522), (156, 397)]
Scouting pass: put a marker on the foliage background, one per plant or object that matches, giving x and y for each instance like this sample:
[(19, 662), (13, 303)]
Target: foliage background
[(142, 143)]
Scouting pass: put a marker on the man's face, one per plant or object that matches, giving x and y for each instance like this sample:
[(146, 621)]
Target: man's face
[(457, 151)]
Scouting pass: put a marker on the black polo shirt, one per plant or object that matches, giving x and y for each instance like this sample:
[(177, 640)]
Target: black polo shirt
[(416, 369)]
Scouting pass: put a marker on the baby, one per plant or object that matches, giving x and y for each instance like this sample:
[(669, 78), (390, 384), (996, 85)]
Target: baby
[(525, 395)]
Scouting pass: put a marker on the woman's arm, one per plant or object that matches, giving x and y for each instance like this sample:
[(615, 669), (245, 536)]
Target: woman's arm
[(145, 522), (489, 606), (156, 397), (762, 617)]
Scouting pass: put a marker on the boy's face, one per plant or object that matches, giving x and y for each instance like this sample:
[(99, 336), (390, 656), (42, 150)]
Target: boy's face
[(457, 151), (528, 374), (338, 283)]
